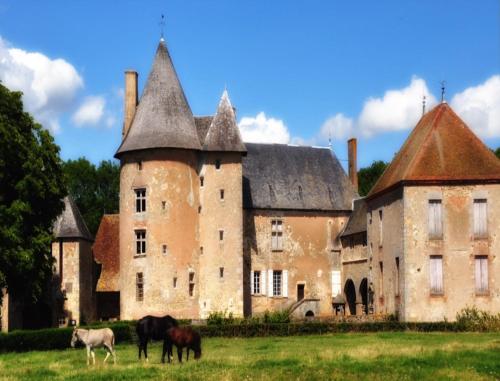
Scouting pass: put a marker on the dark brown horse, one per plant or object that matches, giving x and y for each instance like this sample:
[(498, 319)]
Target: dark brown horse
[(181, 337), (153, 328)]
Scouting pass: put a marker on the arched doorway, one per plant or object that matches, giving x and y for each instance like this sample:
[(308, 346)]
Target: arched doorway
[(350, 295), (363, 291)]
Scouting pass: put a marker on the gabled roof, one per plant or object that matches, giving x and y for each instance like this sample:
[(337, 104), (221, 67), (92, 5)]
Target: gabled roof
[(70, 223), (163, 118), (280, 176), (224, 134), (106, 251), (440, 149), (357, 221)]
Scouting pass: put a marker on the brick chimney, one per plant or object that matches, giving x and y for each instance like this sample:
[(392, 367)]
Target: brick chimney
[(131, 100), (352, 150)]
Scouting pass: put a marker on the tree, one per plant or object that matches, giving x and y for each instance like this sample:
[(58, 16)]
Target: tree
[(94, 189), (367, 177), (31, 194), (497, 152)]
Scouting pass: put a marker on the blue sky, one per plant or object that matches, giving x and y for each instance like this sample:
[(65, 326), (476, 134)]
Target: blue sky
[(313, 68)]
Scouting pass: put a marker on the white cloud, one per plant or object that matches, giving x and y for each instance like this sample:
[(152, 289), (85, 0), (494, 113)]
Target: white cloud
[(338, 127), (49, 85), (90, 111), (479, 107), (397, 110), (260, 129)]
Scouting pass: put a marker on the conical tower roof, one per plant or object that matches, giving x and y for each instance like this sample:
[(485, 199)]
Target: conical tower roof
[(70, 223), (224, 134), (163, 118), (440, 149)]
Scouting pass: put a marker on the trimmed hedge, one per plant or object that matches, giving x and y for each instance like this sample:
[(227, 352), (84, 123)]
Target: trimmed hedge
[(59, 338)]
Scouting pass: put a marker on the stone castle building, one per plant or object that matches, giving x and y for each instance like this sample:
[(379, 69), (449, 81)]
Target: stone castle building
[(208, 223)]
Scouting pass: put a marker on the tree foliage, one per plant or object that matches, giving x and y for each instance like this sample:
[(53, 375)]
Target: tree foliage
[(367, 177), (497, 152), (95, 189), (31, 194)]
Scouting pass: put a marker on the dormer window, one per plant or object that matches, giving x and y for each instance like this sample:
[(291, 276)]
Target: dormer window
[(217, 164)]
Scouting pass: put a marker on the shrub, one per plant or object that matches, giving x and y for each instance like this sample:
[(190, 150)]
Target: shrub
[(473, 319), (276, 317)]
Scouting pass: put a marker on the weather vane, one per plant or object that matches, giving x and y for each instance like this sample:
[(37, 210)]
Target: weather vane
[(443, 89), (162, 26)]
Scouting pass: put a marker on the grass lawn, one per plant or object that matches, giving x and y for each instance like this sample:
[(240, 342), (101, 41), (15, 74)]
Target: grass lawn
[(375, 356)]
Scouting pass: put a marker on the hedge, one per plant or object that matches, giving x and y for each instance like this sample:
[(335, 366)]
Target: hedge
[(59, 338)]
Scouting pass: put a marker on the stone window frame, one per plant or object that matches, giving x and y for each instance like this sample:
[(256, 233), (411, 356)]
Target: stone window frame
[(139, 286), (277, 236), (140, 199), (256, 282), (140, 242), (277, 283)]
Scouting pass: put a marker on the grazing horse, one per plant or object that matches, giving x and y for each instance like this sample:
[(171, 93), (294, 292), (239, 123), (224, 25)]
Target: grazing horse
[(95, 338), (153, 328), (181, 337)]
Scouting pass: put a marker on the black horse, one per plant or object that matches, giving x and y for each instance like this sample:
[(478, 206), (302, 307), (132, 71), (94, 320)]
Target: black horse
[(181, 337), (153, 328)]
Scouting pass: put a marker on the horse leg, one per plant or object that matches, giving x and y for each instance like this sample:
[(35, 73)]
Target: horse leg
[(88, 355), (187, 354), (93, 356), (165, 350), (145, 349), (179, 353), (140, 349), (107, 355)]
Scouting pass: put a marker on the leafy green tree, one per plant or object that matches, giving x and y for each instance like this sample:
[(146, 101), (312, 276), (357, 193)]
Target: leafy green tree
[(31, 194), (497, 152), (94, 189), (367, 177)]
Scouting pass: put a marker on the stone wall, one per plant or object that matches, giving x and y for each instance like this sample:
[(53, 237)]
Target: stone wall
[(458, 248), (355, 267), (221, 261), (171, 218), (309, 240)]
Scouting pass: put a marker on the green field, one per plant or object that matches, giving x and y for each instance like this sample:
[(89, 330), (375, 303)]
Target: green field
[(383, 356)]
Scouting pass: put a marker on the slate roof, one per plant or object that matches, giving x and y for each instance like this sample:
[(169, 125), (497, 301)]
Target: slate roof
[(106, 251), (224, 134), (163, 118), (202, 125), (70, 223), (280, 176), (441, 148), (357, 221)]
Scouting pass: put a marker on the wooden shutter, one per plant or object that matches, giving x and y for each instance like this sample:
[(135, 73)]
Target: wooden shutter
[(435, 219), (480, 218), (481, 274), (252, 274), (436, 272), (284, 289), (270, 283), (263, 289)]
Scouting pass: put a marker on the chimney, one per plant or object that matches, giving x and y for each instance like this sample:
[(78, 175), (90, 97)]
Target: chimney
[(130, 100), (353, 165)]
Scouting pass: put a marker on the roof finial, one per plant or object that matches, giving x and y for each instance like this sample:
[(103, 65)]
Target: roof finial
[(162, 27), (443, 90), (423, 104)]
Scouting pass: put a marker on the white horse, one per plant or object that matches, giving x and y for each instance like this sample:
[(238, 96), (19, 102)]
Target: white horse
[(95, 338)]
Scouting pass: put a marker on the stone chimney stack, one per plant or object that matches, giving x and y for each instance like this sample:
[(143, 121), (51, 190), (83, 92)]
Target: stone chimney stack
[(131, 100), (353, 162)]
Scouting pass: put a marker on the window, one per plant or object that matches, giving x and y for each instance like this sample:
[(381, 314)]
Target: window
[(163, 204), (191, 283), (222, 194), (164, 249), (139, 287), (140, 200), (139, 165), (371, 217), (199, 209), (336, 283), (396, 286), (380, 228), (276, 235), (435, 219), (201, 250), (480, 218), (221, 235), (217, 164), (221, 272), (381, 279), (481, 275), (175, 282), (256, 282), (277, 280), (140, 241), (202, 181), (436, 272)]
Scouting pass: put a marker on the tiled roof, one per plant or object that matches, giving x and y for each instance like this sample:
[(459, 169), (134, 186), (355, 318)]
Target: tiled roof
[(440, 149), (70, 223), (357, 221), (106, 251), (163, 118), (280, 176)]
